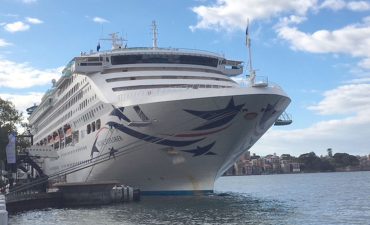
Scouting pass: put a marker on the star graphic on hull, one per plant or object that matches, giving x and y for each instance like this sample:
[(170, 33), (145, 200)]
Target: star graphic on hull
[(94, 148), (119, 113), (201, 150), (217, 118)]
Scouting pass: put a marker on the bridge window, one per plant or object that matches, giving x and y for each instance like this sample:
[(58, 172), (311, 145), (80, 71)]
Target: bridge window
[(168, 59)]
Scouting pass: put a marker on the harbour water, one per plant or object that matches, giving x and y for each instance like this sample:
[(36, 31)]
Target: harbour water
[(320, 198)]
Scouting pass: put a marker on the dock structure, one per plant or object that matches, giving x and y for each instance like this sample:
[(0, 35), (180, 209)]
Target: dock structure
[(24, 201), (72, 195), (33, 193), (96, 193)]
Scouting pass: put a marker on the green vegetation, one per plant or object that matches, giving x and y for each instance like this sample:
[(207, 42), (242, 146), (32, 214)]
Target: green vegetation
[(10, 120), (312, 163), (343, 160)]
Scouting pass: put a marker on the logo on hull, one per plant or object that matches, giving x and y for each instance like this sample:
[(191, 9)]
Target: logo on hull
[(215, 121)]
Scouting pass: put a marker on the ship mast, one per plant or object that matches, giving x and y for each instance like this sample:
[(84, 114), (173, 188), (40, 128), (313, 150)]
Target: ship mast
[(155, 34), (252, 72), (117, 41)]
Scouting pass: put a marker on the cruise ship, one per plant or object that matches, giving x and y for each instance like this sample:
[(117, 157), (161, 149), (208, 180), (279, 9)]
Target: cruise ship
[(165, 120)]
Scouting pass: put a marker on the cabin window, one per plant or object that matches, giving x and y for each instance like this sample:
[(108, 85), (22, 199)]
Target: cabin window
[(93, 59), (68, 139), (93, 126), (98, 124), (88, 130), (68, 133), (90, 64)]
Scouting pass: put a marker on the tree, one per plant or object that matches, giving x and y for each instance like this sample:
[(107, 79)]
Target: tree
[(286, 157), (310, 161), (330, 152), (326, 166), (10, 118), (344, 160)]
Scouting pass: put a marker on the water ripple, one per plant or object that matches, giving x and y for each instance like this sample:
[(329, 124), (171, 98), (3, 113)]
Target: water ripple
[(332, 198)]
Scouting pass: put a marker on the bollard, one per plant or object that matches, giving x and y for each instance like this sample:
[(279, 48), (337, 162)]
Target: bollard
[(137, 195), (124, 194), (3, 212), (113, 194), (116, 194), (2, 203), (131, 194), (3, 217), (119, 194)]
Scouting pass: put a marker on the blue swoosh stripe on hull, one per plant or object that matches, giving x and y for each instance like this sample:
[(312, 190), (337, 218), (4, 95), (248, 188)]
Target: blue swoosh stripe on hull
[(151, 139)]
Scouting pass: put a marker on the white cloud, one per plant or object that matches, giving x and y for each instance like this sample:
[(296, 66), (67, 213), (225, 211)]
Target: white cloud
[(353, 40), (366, 20), (345, 99), (9, 15), (4, 43), (23, 101), (291, 20), (16, 27), (358, 6), (100, 20), (21, 26), (350, 134), (333, 4), (233, 14), (22, 75), (33, 20), (360, 80), (29, 1), (365, 63), (340, 4)]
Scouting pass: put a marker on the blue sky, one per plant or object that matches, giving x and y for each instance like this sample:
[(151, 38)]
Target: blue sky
[(317, 50)]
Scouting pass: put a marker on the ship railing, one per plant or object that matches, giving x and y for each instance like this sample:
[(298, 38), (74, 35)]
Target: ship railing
[(46, 105), (169, 89), (146, 49), (260, 81)]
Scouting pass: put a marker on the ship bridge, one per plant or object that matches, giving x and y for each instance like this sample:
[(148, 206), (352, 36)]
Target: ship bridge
[(134, 58)]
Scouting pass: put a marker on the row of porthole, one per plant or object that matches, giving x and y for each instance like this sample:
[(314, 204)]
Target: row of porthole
[(64, 108), (91, 127)]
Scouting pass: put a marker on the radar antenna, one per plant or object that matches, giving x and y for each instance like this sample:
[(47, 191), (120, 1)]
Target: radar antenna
[(117, 41), (155, 34)]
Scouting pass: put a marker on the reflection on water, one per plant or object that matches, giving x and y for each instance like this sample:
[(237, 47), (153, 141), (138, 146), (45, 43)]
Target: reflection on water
[(213, 209), (326, 198)]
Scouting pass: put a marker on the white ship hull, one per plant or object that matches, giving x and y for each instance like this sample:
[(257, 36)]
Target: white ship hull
[(160, 119), (184, 146)]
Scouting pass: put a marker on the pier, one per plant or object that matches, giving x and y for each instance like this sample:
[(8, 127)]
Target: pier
[(72, 195), (33, 193)]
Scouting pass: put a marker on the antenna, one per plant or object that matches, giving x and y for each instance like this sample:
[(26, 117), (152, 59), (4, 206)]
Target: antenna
[(252, 72), (117, 41), (155, 34)]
